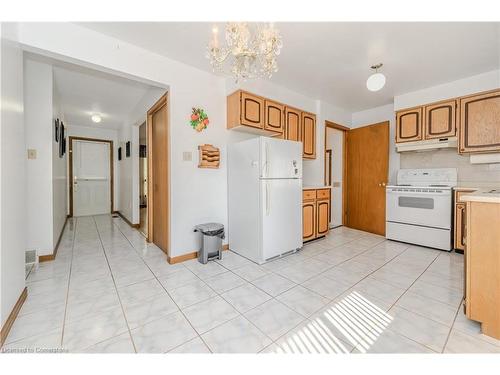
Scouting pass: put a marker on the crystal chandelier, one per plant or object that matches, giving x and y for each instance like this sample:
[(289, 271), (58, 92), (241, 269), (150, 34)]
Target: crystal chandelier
[(251, 50)]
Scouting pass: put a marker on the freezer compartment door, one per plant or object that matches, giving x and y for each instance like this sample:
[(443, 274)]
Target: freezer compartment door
[(281, 216), (280, 158)]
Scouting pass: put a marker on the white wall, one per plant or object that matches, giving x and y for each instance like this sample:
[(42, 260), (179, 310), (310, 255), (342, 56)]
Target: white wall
[(470, 85), (59, 175), (12, 176), (129, 167), (38, 118), (107, 134), (376, 115)]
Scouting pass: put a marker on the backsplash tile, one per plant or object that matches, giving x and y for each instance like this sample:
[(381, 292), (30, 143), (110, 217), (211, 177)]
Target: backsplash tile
[(476, 175)]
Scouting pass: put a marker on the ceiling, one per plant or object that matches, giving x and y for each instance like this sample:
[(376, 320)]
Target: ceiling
[(84, 92), (331, 61)]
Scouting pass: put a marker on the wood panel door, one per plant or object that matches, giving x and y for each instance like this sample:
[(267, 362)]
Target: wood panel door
[(439, 120), (367, 172), (274, 119), (308, 220), (293, 124), (309, 135), (409, 125), (323, 214), (252, 110), (158, 213), (480, 123)]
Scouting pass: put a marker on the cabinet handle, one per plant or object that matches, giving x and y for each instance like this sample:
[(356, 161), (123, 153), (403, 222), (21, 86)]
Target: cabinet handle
[(462, 213)]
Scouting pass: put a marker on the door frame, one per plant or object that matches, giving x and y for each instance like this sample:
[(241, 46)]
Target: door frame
[(345, 132), (150, 154), (111, 169)]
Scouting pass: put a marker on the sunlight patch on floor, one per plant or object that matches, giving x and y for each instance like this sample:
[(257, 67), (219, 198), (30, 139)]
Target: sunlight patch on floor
[(354, 319)]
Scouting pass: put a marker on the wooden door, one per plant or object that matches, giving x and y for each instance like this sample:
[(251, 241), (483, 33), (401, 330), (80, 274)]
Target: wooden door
[(459, 226), (439, 120), (480, 123), (158, 220), (308, 220), (274, 119), (409, 125), (309, 135), (252, 110), (367, 172), (323, 213), (293, 124)]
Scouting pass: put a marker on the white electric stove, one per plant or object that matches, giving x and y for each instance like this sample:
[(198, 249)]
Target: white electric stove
[(419, 207)]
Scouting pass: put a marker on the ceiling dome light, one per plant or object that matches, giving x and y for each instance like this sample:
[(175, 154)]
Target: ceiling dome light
[(377, 80), (96, 118)]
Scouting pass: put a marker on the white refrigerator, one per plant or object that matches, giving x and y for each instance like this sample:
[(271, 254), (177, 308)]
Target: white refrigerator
[(264, 198)]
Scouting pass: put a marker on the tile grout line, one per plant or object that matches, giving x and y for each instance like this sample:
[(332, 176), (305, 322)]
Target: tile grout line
[(166, 291), (69, 282), (451, 328), (116, 289)]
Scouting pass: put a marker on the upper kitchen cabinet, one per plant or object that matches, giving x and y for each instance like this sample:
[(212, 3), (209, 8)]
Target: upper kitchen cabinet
[(293, 124), (479, 129), (274, 119), (439, 120), (409, 125), (309, 135), (246, 112)]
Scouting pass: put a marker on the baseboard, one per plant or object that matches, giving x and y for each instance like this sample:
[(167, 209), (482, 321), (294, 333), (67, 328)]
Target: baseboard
[(136, 226), (4, 332), (49, 257), (189, 256)]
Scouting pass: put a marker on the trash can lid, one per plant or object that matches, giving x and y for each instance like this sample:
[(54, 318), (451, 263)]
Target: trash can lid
[(209, 228)]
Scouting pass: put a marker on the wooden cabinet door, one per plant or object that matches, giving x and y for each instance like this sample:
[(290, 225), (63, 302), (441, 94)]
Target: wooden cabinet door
[(439, 120), (252, 110), (308, 135), (322, 214), (308, 220), (274, 118), (293, 125), (409, 125), (459, 226), (480, 123)]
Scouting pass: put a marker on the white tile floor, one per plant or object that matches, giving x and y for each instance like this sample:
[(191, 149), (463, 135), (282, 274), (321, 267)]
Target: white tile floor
[(352, 292)]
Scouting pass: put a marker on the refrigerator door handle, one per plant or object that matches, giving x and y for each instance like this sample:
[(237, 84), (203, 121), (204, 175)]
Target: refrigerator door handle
[(268, 199), (265, 164)]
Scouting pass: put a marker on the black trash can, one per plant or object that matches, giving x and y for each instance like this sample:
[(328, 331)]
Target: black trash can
[(211, 235)]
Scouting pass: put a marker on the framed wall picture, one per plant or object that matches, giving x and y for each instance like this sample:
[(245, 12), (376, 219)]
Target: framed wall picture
[(56, 130), (127, 149), (62, 140), (119, 153)]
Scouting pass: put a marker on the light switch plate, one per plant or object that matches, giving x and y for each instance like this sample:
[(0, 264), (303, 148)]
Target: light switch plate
[(187, 156), (31, 153)]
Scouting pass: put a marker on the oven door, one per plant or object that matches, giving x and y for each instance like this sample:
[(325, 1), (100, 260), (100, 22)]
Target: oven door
[(431, 209)]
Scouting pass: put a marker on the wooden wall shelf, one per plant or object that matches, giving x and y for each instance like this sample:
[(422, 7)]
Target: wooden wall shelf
[(209, 156)]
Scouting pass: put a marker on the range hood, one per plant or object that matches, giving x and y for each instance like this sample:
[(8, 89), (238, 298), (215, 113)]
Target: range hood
[(431, 144)]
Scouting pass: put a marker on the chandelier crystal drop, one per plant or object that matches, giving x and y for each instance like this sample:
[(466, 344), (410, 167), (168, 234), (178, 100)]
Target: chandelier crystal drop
[(251, 50)]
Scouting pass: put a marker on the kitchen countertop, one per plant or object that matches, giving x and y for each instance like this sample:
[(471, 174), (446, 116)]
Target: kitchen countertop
[(311, 187), (482, 195)]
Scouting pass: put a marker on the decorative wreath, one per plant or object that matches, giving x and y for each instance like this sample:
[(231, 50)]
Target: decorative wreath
[(199, 119)]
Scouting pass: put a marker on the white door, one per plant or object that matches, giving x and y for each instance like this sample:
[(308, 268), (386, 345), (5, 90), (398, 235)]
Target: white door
[(91, 178), (282, 216), (280, 158), (334, 141)]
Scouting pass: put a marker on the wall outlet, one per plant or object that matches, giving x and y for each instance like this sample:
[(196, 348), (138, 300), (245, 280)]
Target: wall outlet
[(31, 153), (187, 156)]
